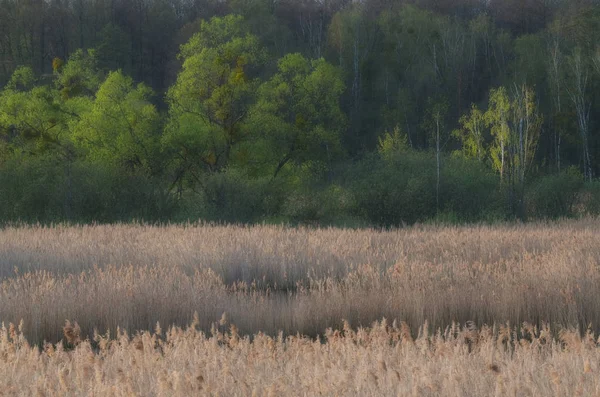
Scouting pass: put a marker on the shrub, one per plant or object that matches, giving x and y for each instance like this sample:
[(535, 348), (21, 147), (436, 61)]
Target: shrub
[(401, 189), (470, 191), (47, 190), (590, 199), (330, 205), (554, 196), (231, 196), (397, 190)]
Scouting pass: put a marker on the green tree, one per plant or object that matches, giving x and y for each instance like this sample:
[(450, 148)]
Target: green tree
[(497, 118), (122, 125), (577, 88), (80, 76), (516, 126), (210, 101), (298, 113), (114, 49), (32, 118), (391, 143), (472, 134)]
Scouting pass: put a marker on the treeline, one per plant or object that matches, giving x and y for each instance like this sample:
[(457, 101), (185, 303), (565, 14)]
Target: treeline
[(332, 112)]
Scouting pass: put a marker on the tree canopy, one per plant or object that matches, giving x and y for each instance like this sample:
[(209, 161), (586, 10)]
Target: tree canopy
[(205, 104)]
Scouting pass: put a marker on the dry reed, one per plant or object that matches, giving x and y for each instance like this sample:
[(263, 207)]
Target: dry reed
[(380, 360), (270, 279), (82, 287)]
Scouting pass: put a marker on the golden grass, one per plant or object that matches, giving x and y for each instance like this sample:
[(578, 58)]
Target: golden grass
[(72, 283), (297, 280), (381, 360)]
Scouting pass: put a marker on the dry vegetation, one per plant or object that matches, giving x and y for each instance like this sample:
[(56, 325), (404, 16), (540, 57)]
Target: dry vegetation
[(382, 360), (301, 281)]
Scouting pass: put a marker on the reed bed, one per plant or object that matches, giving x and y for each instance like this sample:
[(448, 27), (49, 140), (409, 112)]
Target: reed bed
[(381, 360), (297, 280), (297, 311)]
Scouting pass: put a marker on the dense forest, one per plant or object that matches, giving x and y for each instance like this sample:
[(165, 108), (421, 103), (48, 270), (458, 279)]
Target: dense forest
[(373, 112)]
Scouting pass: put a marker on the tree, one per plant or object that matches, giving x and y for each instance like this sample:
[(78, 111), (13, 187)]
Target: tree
[(32, 120), (555, 65), (471, 134), (114, 49), (577, 90), (516, 126), (122, 125), (209, 103), (392, 143), (298, 112), (435, 125), (596, 60), (80, 76), (527, 124), (497, 118), (352, 36)]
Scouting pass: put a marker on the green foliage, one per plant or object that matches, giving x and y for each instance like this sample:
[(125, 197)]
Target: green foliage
[(395, 192), (258, 122), (554, 196), (297, 116), (515, 124), (231, 196), (401, 189), (79, 76), (210, 101), (530, 63), (472, 135), (391, 143), (33, 121), (497, 117), (315, 203), (589, 202), (121, 127), (114, 49), (45, 189), (470, 191), (22, 79)]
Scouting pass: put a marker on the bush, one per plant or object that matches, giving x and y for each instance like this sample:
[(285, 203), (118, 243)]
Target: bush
[(231, 196), (470, 191), (331, 205), (554, 196), (401, 189), (589, 203), (397, 190), (46, 190)]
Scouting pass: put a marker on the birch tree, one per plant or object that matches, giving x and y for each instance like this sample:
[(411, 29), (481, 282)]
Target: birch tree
[(436, 126), (471, 134), (496, 118), (515, 124), (577, 89), (555, 73)]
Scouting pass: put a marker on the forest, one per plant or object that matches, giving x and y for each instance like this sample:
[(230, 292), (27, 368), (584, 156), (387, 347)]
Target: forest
[(320, 112)]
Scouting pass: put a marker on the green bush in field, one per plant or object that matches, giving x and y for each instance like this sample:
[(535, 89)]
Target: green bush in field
[(400, 189), (47, 190), (394, 190), (470, 191), (232, 196), (554, 196), (590, 198), (329, 205), (28, 190)]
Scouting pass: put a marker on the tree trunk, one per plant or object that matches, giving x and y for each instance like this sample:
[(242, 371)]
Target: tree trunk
[(437, 152)]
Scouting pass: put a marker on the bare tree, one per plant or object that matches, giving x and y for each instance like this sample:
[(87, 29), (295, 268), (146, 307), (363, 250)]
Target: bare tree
[(555, 67), (596, 60), (577, 90)]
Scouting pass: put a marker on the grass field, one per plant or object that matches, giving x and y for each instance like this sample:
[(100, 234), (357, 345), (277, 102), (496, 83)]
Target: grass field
[(478, 310)]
